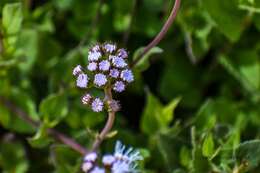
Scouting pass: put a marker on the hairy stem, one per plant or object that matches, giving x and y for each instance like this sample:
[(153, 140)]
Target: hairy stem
[(54, 133), (161, 34), (109, 123)]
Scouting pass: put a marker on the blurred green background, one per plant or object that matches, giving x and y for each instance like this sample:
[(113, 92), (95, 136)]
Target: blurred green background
[(194, 105)]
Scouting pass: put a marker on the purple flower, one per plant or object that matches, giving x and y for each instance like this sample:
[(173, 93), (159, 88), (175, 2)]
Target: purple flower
[(91, 157), (104, 65), (114, 105), (117, 61), (109, 47), (122, 53), (95, 48), (100, 79), (119, 86), (82, 80), (86, 166), (94, 56), (92, 66), (127, 75), (86, 99), (97, 105), (114, 73), (121, 167), (98, 170), (108, 160), (77, 70)]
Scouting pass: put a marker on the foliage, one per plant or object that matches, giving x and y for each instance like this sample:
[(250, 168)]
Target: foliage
[(194, 105)]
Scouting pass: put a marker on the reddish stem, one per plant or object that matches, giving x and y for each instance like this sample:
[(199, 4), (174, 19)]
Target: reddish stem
[(54, 133), (109, 123), (161, 34)]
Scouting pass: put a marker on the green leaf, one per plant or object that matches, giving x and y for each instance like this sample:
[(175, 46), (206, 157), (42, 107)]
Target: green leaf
[(168, 111), (245, 67), (13, 157), (12, 18), (40, 139), (143, 64), (253, 6), (155, 116), (65, 160), (53, 109), (151, 114), (208, 146), (185, 156), (228, 18), (248, 153)]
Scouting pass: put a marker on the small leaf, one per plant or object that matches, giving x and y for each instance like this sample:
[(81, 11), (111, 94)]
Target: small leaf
[(53, 109), (208, 146), (40, 139), (12, 18), (143, 64), (112, 134), (230, 26), (168, 111), (185, 156), (152, 111), (248, 153)]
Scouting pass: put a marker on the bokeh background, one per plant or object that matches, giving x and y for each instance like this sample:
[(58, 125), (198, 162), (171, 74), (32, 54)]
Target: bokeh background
[(194, 105)]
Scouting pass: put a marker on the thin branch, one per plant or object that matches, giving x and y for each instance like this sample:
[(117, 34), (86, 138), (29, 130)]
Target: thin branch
[(54, 133), (161, 34), (109, 123)]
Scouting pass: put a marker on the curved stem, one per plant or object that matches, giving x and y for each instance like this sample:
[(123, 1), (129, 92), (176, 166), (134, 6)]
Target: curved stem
[(54, 133), (109, 123), (161, 34)]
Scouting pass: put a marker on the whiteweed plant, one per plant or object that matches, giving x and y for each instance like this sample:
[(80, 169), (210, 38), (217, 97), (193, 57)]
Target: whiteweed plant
[(109, 70)]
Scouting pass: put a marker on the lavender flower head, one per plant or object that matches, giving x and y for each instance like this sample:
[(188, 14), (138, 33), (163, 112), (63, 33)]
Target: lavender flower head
[(122, 53), (98, 170), (82, 81), (119, 86), (77, 70), (118, 61), (107, 68), (109, 47), (94, 56), (127, 75), (97, 105), (124, 160), (108, 160), (92, 66), (100, 79), (104, 65), (91, 157)]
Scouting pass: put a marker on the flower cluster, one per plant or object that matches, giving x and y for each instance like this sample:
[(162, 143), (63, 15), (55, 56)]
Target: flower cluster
[(107, 67), (122, 161)]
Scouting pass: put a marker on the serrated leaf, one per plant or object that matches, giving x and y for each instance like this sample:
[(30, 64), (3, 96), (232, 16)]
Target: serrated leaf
[(143, 64), (248, 153), (208, 146)]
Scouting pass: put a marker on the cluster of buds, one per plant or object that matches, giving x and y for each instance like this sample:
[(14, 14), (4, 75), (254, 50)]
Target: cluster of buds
[(122, 161), (107, 67)]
